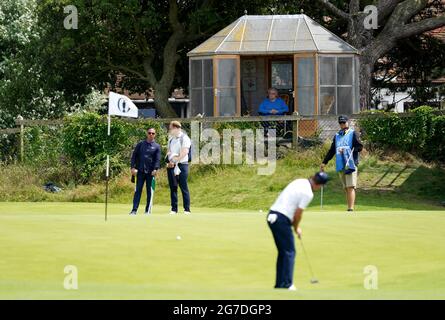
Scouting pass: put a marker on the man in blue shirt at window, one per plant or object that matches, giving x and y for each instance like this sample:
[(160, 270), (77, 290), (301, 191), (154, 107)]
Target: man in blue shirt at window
[(273, 104), (145, 163)]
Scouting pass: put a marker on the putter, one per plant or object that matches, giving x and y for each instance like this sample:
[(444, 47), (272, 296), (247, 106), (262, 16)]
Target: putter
[(313, 279)]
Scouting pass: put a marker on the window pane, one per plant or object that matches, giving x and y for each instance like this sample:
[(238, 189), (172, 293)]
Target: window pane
[(208, 102), (281, 74), (305, 72), (344, 71), (306, 101), (196, 73), (196, 101), (227, 102), (327, 71), (327, 100), (208, 73), (344, 105), (227, 73)]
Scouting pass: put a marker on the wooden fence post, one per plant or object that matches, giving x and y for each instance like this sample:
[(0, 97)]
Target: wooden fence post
[(22, 137), (295, 124)]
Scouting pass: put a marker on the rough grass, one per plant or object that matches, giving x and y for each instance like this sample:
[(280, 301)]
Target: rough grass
[(420, 186)]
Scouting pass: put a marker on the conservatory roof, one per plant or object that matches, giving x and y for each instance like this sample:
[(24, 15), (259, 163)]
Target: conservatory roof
[(273, 34)]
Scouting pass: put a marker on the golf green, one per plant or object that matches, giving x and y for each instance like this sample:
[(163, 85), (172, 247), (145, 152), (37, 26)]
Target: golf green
[(219, 254)]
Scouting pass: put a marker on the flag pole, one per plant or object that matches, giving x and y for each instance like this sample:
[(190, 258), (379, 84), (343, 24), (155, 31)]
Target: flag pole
[(153, 187), (118, 105), (107, 174), (109, 123)]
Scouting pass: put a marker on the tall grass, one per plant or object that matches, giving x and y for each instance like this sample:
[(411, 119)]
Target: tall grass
[(230, 186)]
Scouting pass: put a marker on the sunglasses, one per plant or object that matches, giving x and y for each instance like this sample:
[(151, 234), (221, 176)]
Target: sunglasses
[(343, 122), (151, 133)]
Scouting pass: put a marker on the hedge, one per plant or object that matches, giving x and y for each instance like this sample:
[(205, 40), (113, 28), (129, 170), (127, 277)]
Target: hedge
[(422, 132)]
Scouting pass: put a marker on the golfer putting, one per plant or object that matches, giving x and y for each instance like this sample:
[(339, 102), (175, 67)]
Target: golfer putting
[(285, 214)]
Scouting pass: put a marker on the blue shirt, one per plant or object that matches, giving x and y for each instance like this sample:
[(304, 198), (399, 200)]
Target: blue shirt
[(266, 107), (146, 156)]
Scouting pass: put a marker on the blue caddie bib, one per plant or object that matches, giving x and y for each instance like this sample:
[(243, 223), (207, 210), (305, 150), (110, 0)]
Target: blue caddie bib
[(343, 140)]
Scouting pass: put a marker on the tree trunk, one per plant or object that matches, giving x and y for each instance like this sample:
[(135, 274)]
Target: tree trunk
[(366, 68), (163, 107)]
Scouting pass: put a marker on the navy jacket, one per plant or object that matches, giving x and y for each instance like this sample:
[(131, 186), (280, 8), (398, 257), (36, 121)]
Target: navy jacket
[(356, 144), (146, 156)]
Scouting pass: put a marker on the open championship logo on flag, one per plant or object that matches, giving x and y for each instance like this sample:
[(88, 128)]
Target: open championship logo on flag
[(122, 105)]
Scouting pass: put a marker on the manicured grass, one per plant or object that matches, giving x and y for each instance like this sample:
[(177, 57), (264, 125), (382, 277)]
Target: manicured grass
[(222, 254)]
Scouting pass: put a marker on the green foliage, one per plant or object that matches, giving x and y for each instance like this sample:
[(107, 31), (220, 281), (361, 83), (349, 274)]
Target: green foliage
[(435, 143), (23, 89), (220, 126), (421, 132), (86, 143), (9, 147), (42, 145)]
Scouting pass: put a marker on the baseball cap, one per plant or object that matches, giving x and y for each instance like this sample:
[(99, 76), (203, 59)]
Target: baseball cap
[(321, 178), (342, 119)]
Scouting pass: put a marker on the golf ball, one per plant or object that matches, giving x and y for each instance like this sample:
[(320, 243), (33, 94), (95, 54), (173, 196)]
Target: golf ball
[(261, 211), (178, 237)]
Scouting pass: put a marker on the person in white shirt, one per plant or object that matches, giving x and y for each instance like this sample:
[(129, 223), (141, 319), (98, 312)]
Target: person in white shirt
[(286, 213), (178, 151)]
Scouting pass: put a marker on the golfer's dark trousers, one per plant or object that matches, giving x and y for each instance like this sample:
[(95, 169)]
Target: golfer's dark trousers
[(142, 178), (284, 240), (180, 180)]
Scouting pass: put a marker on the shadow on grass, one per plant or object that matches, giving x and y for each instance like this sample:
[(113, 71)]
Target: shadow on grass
[(414, 188)]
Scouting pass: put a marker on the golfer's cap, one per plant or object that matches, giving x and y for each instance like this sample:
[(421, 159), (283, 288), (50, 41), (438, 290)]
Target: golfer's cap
[(321, 178), (342, 119)]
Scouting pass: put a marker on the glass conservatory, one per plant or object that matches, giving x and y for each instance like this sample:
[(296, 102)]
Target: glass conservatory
[(314, 71)]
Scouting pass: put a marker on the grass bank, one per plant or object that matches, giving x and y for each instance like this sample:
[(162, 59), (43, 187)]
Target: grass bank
[(396, 182)]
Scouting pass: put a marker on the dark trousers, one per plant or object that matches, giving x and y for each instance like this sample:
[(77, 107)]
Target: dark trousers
[(142, 178), (284, 240), (180, 180)]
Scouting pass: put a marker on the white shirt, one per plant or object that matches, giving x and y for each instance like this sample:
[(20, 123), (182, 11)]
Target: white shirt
[(175, 146), (297, 195)]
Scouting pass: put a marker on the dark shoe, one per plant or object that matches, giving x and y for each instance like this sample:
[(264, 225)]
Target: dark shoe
[(350, 210)]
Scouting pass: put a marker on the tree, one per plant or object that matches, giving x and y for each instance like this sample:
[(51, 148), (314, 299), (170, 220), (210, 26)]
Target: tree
[(144, 40), (397, 20), (22, 90), (414, 63)]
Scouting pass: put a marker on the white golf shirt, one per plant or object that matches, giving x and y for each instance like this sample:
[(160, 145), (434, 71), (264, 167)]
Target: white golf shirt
[(175, 144), (297, 194)]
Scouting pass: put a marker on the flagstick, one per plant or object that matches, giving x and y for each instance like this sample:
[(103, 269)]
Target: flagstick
[(108, 169), (152, 195), (122, 106), (109, 124), (321, 197), (106, 187)]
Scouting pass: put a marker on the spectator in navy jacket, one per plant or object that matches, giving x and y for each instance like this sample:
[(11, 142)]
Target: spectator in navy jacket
[(145, 162)]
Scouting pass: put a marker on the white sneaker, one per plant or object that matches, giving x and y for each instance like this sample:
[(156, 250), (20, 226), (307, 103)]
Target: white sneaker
[(147, 213), (173, 212), (292, 288), (187, 212)]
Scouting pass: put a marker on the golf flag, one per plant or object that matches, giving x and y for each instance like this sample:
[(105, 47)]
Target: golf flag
[(153, 187), (120, 105)]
